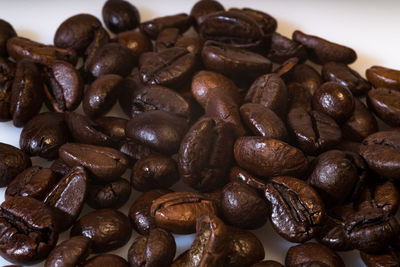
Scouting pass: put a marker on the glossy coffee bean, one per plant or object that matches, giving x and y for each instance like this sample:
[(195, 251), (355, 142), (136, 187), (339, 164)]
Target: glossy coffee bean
[(267, 264), (6, 32), (111, 195), (312, 252), (322, 51), (60, 168), (27, 92), (101, 38), (29, 230), (105, 260), (71, 252), (166, 39), (120, 16), (193, 43), (297, 211), (105, 163), (307, 76), (167, 211), (283, 48), (381, 152), (137, 42), (12, 162), (114, 127), (153, 27), (44, 134), (203, 8), (34, 182), (135, 150), (156, 249), (269, 157), (7, 73), (205, 154), (334, 100), (267, 23), (385, 258), (243, 207), (108, 229), (385, 104), (139, 212), (383, 77), (242, 176)]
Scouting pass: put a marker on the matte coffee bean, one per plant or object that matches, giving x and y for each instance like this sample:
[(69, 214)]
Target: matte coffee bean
[(34, 182), (105, 260), (120, 16), (385, 258), (139, 212), (12, 162), (202, 9), (29, 230), (385, 104), (44, 134), (153, 27), (6, 32), (267, 264), (299, 97), (267, 23), (167, 211), (157, 249), (71, 252), (350, 146), (383, 77), (166, 39), (137, 42), (108, 229), (307, 76), (283, 48), (111, 195), (312, 252), (297, 211), (7, 73), (269, 157), (321, 51), (242, 176), (114, 127)]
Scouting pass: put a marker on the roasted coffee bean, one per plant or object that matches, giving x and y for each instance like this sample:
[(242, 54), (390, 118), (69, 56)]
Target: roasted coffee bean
[(267, 264), (270, 91), (286, 67), (171, 67), (321, 51), (6, 32), (269, 157), (350, 146), (139, 212), (71, 252), (111, 195), (386, 105), (7, 73), (64, 86), (297, 211), (60, 168), (303, 254), (167, 211), (193, 43), (334, 100), (283, 48), (205, 154), (299, 96), (157, 249), (120, 16), (135, 150), (267, 23), (384, 77), (29, 230), (106, 260), (112, 58), (27, 92), (386, 258), (202, 9), (23, 48), (44, 134), (371, 229), (77, 32), (108, 229), (243, 207), (128, 86), (166, 39), (154, 172), (101, 38), (160, 130), (180, 260), (12, 162), (314, 132), (346, 76), (240, 175), (153, 27), (307, 76), (113, 127), (381, 152), (105, 163), (137, 42), (33, 182)]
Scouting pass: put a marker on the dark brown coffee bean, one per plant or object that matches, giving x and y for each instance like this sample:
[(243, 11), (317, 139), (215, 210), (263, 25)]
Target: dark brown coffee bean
[(267, 23), (350, 146), (113, 127), (205, 154), (28, 230), (71, 252), (108, 229), (23, 48), (269, 157), (202, 9), (283, 48), (346, 76), (193, 43), (312, 252), (384, 77), (60, 168), (105, 163), (106, 260), (167, 211), (243, 207), (137, 42), (33, 182), (7, 73), (111, 195), (101, 38), (166, 39), (267, 264), (139, 212), (12, 162), (64, 86), (240, 175), (157, 249), (44, 134), (322, 51), (299, 97), (386, 258), (286, 67), (386, 105), (381, 152), (6, 32), (135, 150), (296, 209), (307, 76), (120, 16), (153, 27), (181, 259), (27, 92)]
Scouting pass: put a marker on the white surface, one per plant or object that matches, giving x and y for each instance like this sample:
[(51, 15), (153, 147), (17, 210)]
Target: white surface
[(369, 27)]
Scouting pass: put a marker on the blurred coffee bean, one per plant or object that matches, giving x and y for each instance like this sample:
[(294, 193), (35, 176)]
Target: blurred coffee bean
[(202, 9), (283, 48), (386, 105), (307, 76), (153, 27), (12, 162), (6, 32), (384, 77), (120, 16)]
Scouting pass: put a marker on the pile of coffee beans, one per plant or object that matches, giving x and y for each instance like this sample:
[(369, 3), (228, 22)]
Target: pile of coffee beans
[(261, 127)]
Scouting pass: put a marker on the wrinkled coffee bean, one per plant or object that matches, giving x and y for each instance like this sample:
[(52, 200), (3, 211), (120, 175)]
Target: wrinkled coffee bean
[(307, 76), (166, 39), (267, 23), (297, 211), (383, 77), (283, 48), (6, 32), (240, 175), (202, 9), (106, 260), (111, 195), (153, 27), (114, 127), (108, 229), (386, 258), (137, 42), (12, 162), (386, 105), (120, 16)]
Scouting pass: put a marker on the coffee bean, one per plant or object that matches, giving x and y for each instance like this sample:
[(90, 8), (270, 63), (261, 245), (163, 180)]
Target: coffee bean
[(114, 127), (384, 77), (135, 150), (153, 27), (283, 48), (307, 76), (120, 16), (12, 162), (137, 42), (240, 175), (101, 38), (105, 260), (385, 103), (385, 258), (267, 264), (166, 39), (7, 73), (202, 9), (60, 168), (267, 23), (180, 260), (193, 43), (111, 195), (6, 32), (299, 97)]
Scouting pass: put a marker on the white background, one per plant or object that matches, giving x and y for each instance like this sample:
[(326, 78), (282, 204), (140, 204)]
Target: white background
[(369, 27)]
